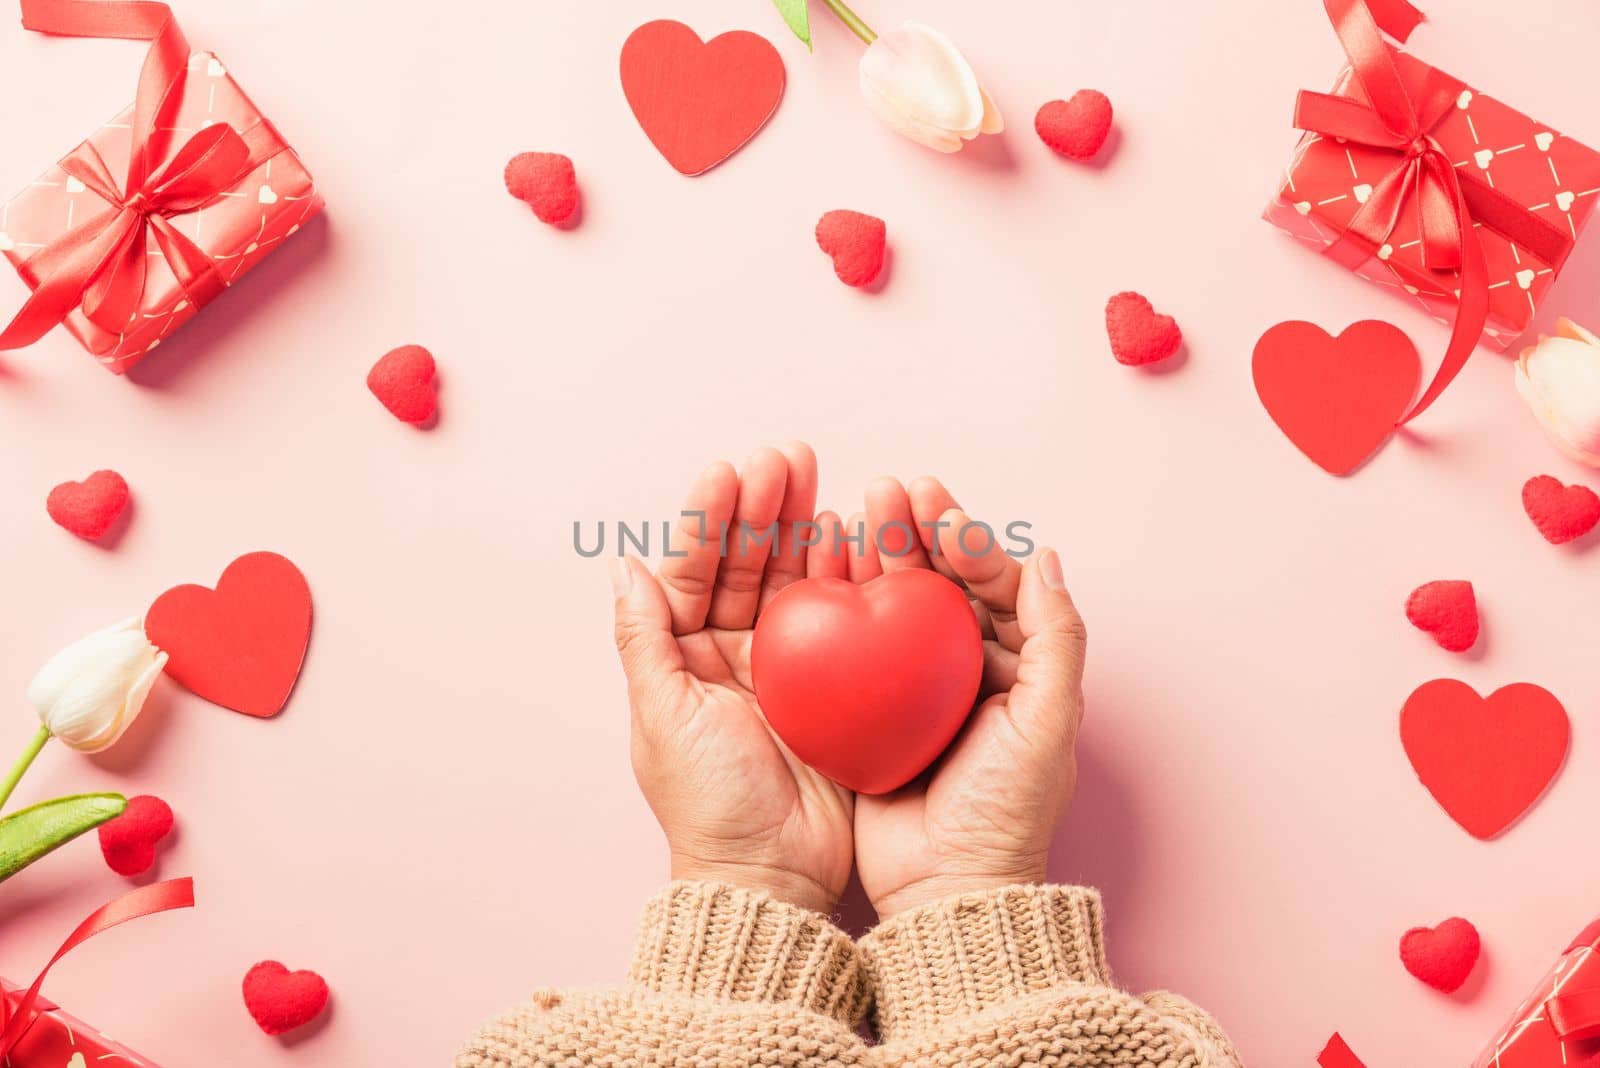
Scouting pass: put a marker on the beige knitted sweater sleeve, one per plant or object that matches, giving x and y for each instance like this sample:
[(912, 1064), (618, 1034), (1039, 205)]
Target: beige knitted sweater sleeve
[(728, 978)]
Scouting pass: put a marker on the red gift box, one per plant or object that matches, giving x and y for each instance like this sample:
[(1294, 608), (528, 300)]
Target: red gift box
[(1401, 154), (124, 255), (1559, 1025), (58, 1039)]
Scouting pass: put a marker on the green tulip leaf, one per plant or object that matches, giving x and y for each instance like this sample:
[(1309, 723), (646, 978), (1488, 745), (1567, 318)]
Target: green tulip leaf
[(795, 14), (29, 833)]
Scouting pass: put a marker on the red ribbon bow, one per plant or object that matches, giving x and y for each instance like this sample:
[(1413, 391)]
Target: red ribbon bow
[(157, 897), (1448, 202), (102, 262)]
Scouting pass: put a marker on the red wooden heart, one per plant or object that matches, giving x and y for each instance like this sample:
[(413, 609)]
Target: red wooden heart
[(240, 645), (868, 684), (1336, 398), (699, 102), (1441, 956), (1485, 760)]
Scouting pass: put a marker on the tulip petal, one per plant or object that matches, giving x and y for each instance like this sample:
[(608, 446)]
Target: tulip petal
[(992, 123), (924, 78), (1568, 329), (1559, 378), (901, 123)]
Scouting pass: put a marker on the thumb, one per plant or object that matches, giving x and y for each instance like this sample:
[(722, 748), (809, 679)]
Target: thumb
[(649, 653), (1047, 699)]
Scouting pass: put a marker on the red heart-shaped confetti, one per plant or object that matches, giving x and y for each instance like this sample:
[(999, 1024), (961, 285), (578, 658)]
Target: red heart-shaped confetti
[(89, 508), (404, 381), (240, 645), (856, 242), (1336, 398), (1075, 128), (546, 182), (280, 1000), (128, 842), (1138, 335), (1448, 610), (1441, 956), (1486, 760), (1562, 513)]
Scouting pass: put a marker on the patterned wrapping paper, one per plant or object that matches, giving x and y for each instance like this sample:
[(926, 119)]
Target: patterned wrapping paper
[(1553, 175), (250, 221), (59, 1040), (1529, 1040)]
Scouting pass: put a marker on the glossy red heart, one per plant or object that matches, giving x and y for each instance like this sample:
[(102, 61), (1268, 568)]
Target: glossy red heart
[(699, 101), (1441, 956), (1562, 513), (1485, 760), (89, 508), (280, 1000), (1336, 398), (240, 645), (868, 684)]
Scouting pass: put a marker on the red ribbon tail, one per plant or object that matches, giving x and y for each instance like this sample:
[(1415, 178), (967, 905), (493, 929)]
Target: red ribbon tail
[(1472, 313)]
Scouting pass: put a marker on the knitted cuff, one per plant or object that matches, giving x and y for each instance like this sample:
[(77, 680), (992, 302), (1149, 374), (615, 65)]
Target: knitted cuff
[(706, 940), (965, 954)]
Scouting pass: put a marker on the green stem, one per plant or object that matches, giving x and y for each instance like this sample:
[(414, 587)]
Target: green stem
[(852, 20), (15, 775)]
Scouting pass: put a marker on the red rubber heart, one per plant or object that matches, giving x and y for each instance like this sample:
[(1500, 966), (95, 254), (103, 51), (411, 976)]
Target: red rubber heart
[(1336, 398), (88, 508), (404, 381), (240, 645), (129, 841), (1075, 128), (280, 1000), (1441, 956), (1138, 335), (1448, 610), (856, 242), (1562, 513), (699, 101), (546, 182), (868, 684), (1485, 760)]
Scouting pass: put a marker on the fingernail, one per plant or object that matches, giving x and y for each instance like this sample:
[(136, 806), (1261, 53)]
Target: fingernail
[(621, 577), (1050, 571)]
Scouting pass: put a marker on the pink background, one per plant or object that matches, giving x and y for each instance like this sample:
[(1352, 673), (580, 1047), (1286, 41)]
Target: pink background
[(444, 818)]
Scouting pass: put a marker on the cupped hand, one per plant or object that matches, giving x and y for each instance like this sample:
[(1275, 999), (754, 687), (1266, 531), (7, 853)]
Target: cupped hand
[(736, 805), (983, 816)]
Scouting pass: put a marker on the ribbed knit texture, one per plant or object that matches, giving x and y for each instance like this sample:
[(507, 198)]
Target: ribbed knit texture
[(728, 978)]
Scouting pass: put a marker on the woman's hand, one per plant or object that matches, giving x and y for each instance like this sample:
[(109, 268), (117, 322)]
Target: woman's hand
[(984, 815), (736, 805)]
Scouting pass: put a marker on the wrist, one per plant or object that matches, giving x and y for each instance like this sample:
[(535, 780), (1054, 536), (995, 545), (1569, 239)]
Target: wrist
[(941, 885), (784, 885)]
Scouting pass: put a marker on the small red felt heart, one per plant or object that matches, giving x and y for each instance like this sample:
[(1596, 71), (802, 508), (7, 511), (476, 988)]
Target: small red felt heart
[(240, 645), (1441, 956), (1336, 398), (856, 242), (868, 683), (1448, 610), (404, 381), (1138, 335), (546, 182), (280, 1000), (1075, 128), (88, 508), (1485, 760), (129, 841), (699, 102), (1562, 513)]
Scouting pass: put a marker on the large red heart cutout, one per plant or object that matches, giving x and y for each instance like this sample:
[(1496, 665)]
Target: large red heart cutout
[(699, 101), (240, 645), (868, 684), (1336, 398), (1485, 760)]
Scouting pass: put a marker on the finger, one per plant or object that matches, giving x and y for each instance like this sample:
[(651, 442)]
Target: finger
[(1047, 700), (991, 576), (861, 558), (999, 670), (689, 573), (794, 514), (827, 558), (891, 528), (929, 502), (650, 655), (750, 540)]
